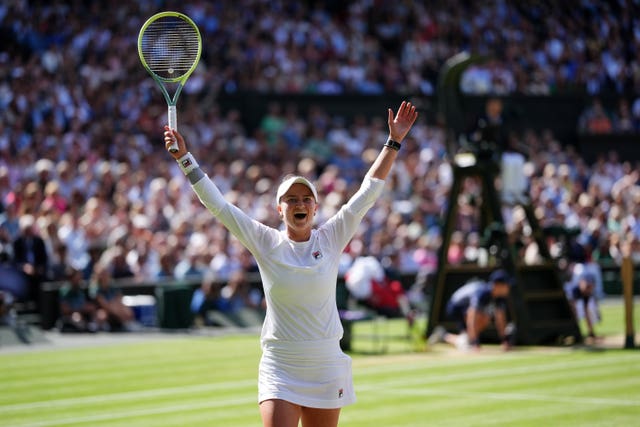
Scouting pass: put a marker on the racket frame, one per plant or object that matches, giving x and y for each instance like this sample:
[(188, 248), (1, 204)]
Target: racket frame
[(162, 82)]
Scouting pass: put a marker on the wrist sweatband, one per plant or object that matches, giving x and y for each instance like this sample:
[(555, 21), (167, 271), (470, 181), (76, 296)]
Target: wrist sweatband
[(394, 145), (187, 163)]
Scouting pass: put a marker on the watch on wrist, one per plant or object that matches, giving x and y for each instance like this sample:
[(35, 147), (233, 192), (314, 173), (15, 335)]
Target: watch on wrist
[(394, 145)]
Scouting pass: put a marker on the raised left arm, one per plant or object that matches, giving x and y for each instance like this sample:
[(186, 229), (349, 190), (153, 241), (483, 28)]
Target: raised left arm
[(399, 127)]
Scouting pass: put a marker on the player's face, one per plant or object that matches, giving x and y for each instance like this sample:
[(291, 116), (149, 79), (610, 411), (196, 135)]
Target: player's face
[(297, 208)]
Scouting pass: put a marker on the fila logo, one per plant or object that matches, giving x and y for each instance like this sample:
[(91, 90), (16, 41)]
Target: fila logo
[(186, 163), (317, 255), (340, 393)]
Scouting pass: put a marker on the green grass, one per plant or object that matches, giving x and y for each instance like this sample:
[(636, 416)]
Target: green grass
[(211, 381)]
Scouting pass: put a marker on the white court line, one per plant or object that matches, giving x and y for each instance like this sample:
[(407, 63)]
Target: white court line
[(493, 373), (142, 394), (600, 401), (398, 386), (435, 381), (381, 388), (164, 409), (159, 392)]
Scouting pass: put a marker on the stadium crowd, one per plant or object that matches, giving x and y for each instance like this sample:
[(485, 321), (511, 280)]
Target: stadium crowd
[(82, 165)]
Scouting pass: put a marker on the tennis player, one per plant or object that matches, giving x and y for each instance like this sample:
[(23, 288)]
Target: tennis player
[(303, 373)]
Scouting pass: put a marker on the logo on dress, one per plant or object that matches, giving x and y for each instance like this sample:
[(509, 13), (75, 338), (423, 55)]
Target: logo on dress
[(340, 393), (317, 255)]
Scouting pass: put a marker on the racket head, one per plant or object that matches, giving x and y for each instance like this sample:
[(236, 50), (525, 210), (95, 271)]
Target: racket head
[(169, 46)]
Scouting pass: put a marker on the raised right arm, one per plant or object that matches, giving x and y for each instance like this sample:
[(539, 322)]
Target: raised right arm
[(251, 233)]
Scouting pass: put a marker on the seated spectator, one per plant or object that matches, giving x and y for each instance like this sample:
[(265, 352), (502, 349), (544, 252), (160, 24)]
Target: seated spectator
[(120, 269), (58, 266), (194, 263), (635, 110), (204, 300), (12, 280), (113, 314), (455, 254), (367, 281), (12, 286), (595, 119), (7, 314), (77, 312), (9, 223), (624, 121), (30, 255), (166, 265), (238, 304)]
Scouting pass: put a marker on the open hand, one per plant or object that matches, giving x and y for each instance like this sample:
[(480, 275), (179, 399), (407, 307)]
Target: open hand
[(405, 118)]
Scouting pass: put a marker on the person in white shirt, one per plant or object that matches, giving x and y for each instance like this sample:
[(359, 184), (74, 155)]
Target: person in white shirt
[(303, 373)]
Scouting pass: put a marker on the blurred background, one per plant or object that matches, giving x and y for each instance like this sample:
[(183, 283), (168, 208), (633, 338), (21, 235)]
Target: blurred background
[(87, 189)]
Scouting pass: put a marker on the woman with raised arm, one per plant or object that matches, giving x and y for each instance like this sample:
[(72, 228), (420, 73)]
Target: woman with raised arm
[(303, 373)]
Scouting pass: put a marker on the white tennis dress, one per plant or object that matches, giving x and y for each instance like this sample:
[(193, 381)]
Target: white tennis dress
[(301, 362)]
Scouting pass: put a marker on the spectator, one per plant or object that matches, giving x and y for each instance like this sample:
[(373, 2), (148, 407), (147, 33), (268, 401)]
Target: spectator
[(120, 268), (13, 286), (455, 255), (473, 307), (167, 265), (624, 122), (368, 282), (73, 235), (58, 268), (113, 314), (239, 302), (635, 109), (273, 123), (595, 119), (30, 255), (9, 223), (77, 312), (9, 315), (206, 299), (195, 262), (12, 280)]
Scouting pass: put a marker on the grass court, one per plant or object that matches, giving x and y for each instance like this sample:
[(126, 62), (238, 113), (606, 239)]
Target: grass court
[(203, 380)]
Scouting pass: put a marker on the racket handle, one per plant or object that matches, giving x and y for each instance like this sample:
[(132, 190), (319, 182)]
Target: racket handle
[(173, 124)]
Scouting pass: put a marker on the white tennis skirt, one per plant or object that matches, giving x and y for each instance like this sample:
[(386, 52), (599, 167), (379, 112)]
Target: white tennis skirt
[(314, 374)]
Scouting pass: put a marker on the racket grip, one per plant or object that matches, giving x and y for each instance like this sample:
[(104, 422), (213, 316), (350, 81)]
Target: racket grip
[(173, 124)]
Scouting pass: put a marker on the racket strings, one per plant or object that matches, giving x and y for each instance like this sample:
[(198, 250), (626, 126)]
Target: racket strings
[(170, 47)]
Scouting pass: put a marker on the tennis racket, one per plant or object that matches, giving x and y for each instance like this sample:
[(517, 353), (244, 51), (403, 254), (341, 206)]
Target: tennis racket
[(169, 45)]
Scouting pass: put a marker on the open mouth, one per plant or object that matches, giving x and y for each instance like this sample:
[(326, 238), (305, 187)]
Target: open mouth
[(300, 215)]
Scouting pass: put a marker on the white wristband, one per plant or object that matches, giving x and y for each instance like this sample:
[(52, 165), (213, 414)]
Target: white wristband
[(187, 163)]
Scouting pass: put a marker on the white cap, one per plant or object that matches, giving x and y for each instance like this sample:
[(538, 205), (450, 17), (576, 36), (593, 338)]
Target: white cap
[(286, 185)]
